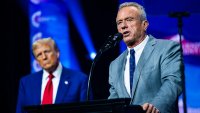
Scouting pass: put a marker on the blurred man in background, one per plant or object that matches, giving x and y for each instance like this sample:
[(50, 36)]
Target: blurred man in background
[(54, 84)]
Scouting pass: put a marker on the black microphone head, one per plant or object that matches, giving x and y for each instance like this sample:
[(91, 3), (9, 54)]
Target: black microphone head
[(111, 42), (117, 36), (179, 14)]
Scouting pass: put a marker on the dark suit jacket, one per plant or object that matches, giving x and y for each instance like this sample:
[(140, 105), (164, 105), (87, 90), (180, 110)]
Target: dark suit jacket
[(157, 77), (30, 89)]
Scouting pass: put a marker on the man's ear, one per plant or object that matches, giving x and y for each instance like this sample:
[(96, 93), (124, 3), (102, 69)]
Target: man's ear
[(145, 24), (58, 54)]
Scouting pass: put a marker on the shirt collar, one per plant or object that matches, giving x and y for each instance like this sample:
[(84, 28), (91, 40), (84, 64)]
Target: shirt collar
[(140, 46), (56, 73)]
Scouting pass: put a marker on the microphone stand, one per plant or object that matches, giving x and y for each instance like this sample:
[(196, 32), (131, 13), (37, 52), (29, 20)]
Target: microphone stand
[(91, 72), (110, 43), (179, 16), (105, 47)]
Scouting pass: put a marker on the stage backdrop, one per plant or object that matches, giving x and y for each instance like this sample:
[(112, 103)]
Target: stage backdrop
[(51, 18)]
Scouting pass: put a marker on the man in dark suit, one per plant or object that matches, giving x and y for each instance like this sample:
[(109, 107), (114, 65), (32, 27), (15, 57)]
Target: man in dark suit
[(151, 75), (66, 85)]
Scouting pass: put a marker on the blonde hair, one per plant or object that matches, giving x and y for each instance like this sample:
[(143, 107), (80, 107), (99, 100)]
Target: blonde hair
[(48, 40)]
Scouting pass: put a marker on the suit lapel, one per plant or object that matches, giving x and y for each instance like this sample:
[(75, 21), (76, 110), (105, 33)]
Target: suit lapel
[(121, 74), (148, 49), (37, 89), (63, 86)]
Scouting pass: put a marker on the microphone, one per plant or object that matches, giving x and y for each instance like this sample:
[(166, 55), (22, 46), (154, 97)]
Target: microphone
[(111, 42)]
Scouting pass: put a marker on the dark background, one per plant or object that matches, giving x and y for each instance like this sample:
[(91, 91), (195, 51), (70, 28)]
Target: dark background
[(15, 43), (16, 51), (100, 18)]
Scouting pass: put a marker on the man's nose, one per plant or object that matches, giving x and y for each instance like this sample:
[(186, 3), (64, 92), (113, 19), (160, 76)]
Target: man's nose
[(44, 56), (124, 25)]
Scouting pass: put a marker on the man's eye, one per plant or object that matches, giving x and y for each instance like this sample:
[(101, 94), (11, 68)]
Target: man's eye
[(118, 23), (38, 55), (130, 19), (47, 51)]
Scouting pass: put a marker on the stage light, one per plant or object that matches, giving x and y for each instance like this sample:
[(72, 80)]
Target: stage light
[(92, 55), (80, 22)]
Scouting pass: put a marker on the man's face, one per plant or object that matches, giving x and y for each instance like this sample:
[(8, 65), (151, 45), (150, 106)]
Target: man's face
[(131, 26), (46, 56)]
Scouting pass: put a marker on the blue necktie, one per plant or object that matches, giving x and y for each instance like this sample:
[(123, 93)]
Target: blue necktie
[(132, 68)]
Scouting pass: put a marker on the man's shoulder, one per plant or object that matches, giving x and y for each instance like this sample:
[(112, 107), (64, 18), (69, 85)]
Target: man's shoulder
[(32, 75), (72, 72), (162, 42), (164, 45)]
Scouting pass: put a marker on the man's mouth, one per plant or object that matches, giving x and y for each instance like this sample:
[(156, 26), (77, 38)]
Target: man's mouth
[(126, 33)]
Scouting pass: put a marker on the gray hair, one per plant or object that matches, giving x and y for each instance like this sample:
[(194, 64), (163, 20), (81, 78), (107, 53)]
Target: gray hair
[(138, 6), (48, 40)]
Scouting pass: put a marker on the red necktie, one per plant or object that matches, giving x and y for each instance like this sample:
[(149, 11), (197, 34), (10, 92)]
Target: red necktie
[(48, 92)]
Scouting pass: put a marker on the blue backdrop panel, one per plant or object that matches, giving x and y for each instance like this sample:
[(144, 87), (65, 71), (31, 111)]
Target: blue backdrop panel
[(48, 19)]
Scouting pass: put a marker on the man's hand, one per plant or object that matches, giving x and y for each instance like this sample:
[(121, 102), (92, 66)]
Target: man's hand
[(149, 108)]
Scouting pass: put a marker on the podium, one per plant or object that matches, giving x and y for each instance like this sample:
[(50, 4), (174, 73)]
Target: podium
[(120, 105)]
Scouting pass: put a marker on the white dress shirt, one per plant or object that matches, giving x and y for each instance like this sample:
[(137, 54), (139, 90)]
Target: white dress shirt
[(138, 51), (55, 81)]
